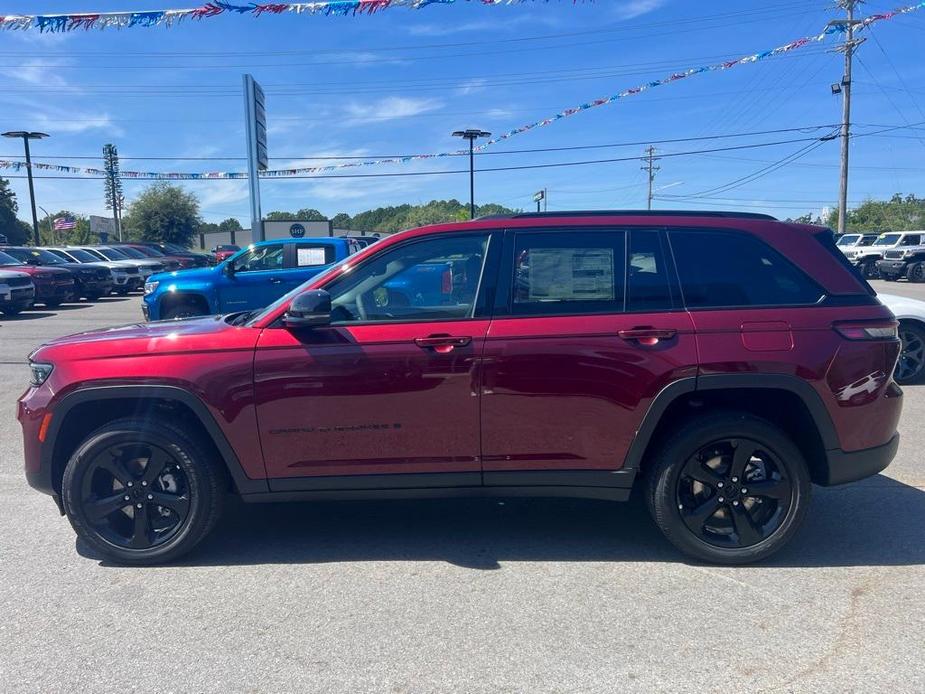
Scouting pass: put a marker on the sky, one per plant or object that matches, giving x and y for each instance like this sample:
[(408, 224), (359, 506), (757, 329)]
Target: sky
[(401, 81)]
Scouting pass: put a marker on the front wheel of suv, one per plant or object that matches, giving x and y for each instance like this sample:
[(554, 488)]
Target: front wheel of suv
[(728, 488), (141, 491), (916, 272)]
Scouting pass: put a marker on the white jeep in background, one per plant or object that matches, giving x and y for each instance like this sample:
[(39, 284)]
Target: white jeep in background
[(865, 257)]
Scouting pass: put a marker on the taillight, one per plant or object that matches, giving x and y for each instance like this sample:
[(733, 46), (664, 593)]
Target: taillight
[(868, 330)]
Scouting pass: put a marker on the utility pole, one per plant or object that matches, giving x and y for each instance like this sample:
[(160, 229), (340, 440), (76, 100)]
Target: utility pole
[(651, 168), (848, 49)]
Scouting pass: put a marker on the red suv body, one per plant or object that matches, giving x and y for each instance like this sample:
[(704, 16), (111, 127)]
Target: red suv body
[(725, 362)]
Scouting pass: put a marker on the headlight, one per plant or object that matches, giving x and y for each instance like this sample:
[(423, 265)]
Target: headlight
[(909, 254), (150, 287), (40, 373)]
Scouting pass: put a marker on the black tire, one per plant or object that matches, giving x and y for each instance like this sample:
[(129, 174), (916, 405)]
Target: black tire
[(910, 368), (890, 278), (670, 488), (11, 311), (94, 296), (183, 310), (53, 304), (122, 291), (186, 480), (916, 272), (869, 269)]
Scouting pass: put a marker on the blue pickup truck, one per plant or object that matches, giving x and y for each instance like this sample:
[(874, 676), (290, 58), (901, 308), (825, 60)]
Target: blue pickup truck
[(252, 278)]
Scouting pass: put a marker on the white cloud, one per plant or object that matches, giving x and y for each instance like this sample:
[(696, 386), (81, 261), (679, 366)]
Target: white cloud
[(40, 73), (390, 108), (637, 8), (476, 84)]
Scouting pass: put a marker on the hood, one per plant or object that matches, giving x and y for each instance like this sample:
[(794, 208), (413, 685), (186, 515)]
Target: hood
[(203, 274), (903, 307), (158, 338), (11, 274), (36, 270)]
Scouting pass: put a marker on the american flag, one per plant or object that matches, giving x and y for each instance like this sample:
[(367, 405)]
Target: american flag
[(64, 223)]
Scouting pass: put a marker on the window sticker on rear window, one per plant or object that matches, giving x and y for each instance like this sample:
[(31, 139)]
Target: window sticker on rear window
[(310, 256), (570, 274)]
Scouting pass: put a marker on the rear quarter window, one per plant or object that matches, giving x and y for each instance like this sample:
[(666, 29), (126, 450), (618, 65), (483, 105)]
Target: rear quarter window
[(728, 269)]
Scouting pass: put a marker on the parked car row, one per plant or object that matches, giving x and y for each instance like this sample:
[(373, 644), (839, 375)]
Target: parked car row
[(891, 256), (53, 275)]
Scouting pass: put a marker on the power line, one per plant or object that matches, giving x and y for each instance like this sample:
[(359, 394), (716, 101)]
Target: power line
[(803, 129)]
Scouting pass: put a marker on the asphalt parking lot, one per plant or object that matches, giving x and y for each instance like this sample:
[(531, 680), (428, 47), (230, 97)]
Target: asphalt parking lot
[(475, 596)]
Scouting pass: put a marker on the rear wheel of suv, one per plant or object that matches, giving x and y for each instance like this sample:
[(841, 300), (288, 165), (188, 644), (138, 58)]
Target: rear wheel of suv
[(142, 492), (728, 488)]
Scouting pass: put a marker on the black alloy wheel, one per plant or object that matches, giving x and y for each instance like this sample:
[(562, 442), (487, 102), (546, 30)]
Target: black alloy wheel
[(733, 493), (728, 487), (135, 495), (143, 491), (869, 269), (910, 368)]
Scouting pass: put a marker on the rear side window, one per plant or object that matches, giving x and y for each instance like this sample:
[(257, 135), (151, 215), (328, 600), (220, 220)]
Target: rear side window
[(313, 256), (647, 279), (569, 272), (721, 269)]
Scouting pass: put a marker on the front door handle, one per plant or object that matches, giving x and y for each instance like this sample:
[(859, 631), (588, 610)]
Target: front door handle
[(442, 344), (646, 336), (274, 280)]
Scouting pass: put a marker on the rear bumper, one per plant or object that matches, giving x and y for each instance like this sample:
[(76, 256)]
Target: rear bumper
[(850, 467)]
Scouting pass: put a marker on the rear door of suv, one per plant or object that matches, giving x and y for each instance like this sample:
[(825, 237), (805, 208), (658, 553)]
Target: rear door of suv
[(587, 329)]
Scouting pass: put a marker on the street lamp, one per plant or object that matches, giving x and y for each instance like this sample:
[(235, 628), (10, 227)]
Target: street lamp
[(472, 135), (51, 225), (26, 136)]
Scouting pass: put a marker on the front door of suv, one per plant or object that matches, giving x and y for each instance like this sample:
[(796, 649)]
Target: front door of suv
[(387, 395), (587, 330)]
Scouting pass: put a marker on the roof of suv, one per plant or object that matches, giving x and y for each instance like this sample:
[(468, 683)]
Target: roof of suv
[(632, 213)]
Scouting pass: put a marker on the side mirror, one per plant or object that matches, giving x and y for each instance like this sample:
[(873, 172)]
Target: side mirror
[(309, 309), (228, 269)]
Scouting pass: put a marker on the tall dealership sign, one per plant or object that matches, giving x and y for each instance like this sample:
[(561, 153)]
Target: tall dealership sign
[(255, 115)]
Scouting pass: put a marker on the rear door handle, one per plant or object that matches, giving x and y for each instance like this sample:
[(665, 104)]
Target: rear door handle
[(648, 337), (442, 344)]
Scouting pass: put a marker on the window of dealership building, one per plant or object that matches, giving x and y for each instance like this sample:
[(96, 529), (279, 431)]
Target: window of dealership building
[(279, 229)]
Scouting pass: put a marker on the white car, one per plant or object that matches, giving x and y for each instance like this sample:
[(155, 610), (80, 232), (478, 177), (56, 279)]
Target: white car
[(911, 314), (125, 275), (16, 292)]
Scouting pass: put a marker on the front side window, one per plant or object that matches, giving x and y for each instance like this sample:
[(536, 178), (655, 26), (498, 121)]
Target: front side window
[(259, 258), (568, 272), (720, 269), (435, 279)]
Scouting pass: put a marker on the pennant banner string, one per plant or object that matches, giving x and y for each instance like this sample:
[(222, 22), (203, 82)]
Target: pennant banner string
[(567, 113), (59, 23)]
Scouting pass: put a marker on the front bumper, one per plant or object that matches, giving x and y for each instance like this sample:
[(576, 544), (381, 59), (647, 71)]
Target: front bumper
[(54, 292), (893, 268), (850, 467)]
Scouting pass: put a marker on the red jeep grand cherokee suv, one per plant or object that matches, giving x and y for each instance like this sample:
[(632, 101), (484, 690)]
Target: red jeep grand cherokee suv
[(722, 362)]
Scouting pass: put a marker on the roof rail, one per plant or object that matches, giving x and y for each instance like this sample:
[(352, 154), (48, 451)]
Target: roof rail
[(631, 213)]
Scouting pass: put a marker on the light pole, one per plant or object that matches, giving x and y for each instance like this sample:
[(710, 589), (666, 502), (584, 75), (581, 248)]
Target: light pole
[(472, 135), (51, 225), (26, 136)]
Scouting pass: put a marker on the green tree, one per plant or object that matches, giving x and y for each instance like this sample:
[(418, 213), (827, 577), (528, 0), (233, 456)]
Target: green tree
[(341, 221), (230, 224), (16, 231), (899, 213), (164, 212)]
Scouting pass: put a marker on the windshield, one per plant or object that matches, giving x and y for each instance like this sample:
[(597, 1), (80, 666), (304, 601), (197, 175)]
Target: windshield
[(285, 298), (35, 256), (132, 252), (174, 248), (8, 259), (848, 239), (887, 240), (79, 255), (111, 254), (149, 252)]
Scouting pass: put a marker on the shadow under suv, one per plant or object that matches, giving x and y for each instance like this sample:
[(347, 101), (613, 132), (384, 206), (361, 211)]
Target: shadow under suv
[(723, 363)]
